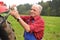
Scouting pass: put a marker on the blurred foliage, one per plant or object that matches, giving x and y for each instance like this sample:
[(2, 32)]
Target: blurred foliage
[(24, 9), (50, 8)]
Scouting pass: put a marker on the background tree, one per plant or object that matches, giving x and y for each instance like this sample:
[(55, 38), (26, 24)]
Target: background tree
[(50, 8)]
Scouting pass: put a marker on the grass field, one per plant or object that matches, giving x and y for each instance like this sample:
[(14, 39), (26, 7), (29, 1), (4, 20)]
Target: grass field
[(52, 28)]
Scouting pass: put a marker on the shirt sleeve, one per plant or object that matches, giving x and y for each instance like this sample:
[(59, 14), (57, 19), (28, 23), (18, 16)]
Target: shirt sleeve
[(24, 17), (37, 26)]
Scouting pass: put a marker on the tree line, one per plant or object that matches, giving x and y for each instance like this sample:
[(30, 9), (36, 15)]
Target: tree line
[(50, 8)]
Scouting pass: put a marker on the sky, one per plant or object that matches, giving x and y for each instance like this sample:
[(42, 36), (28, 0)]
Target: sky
[(18, 2)]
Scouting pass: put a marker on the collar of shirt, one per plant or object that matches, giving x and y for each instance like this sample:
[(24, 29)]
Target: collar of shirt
[(34, 18)]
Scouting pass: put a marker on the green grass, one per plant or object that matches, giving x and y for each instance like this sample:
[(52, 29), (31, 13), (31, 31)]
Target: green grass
[(52, 28), (17, 27)]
